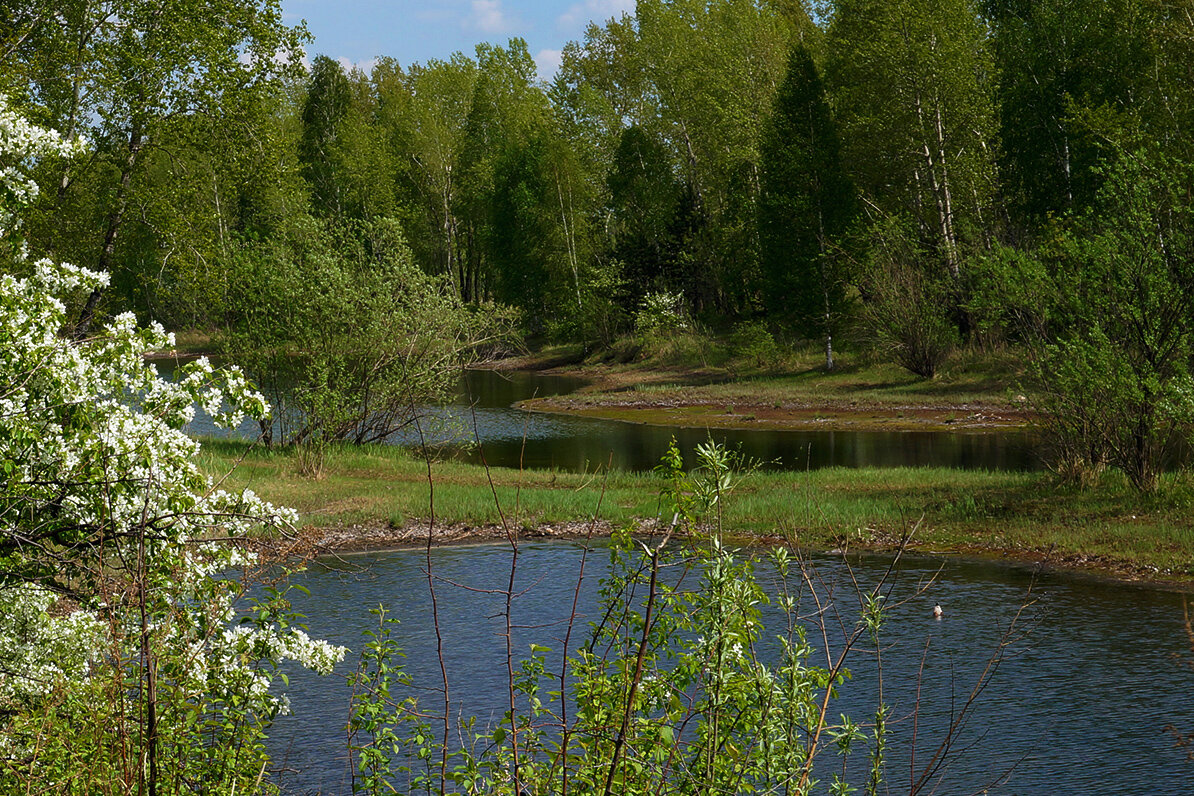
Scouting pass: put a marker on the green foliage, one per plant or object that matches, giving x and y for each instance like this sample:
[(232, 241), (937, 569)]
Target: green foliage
[(121, 669), (712, 69), (200, 192), (1053, 73), (806, 208), (507, 111), (422, 112), (326, 105), (132, 77), (911, 88), (907, 301), (752, 341), (345, 334), (667, 693), (674, 97), (378, 713), (1110, 323), (538, 243), (645, 203)]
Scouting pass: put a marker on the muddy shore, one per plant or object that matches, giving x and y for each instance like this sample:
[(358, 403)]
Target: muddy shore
[(713, 398), (695, 412), (310, 543)]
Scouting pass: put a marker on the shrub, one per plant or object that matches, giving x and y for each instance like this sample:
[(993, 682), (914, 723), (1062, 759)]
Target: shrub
[(907, 306), (661, 314), (346, 335), (120, 668), (1110, 324), (752, 341), (665, 694), (908, 314)]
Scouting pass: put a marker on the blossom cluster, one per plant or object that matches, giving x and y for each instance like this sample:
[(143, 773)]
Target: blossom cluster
[(39, 651), (21, 143), (101, 496)]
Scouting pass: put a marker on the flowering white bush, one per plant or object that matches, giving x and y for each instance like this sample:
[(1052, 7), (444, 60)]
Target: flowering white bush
[(39, 651), (118, 656), (660, 313), (21, 143)]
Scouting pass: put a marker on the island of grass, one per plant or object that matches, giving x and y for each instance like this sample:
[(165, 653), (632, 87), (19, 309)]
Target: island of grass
[(975, 393)]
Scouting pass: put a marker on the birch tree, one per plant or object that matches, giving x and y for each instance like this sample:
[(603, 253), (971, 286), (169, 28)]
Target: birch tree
[(911, 84), (122, 72), (423, 111)]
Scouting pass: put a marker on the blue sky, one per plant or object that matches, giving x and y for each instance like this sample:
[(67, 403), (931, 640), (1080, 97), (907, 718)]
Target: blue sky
[(355, 32)]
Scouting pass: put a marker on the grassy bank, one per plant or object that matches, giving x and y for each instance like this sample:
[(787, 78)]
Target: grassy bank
[(976, 392), (1020, 515)]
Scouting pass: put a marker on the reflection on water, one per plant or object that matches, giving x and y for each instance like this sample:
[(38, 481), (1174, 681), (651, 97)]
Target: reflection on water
[(578, 444), (512, 438), (1078, 706), (502, 436)]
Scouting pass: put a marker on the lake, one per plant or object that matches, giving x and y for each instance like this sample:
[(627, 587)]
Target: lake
[(1079, 705), (504, 436)]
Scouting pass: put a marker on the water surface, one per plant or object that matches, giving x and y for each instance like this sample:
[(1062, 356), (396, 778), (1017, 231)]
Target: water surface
[(483, 426), (1079, 705)]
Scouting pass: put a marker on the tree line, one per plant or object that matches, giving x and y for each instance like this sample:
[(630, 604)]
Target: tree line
[(145, 621), (913, 175)]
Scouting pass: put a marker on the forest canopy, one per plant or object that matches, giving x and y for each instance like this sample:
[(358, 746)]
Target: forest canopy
[(856, 173)]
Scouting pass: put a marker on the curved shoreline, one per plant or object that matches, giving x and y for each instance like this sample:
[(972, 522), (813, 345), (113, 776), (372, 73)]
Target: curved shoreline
[(361, 539), (809, 400), (745, 415), (966, 518)]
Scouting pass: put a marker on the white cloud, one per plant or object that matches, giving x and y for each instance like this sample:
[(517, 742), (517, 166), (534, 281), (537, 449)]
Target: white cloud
[(285, 57), (488, 16), (598, 11), (547, 62), (365, 66)]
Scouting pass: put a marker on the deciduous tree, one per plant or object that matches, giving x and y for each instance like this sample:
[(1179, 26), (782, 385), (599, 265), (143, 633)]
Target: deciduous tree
[(1110, 325), (1059, 60), (120, 669), (423, 112), (911, 83), (123, 73)]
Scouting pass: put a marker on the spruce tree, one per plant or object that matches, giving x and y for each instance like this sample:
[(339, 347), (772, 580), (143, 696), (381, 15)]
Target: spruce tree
[(327, 103), (806, 207)]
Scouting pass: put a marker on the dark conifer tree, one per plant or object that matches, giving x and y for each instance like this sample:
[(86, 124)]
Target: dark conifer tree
[(807, 206), (519, 241), (645, 201)]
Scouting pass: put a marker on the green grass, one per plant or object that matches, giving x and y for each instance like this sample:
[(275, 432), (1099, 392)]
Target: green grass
[(867, 382), (382, 484), (1022, 515), (975, 390)]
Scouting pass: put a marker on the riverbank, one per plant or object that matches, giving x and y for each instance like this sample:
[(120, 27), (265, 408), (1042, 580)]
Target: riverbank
[(382, 497), (974, 393)]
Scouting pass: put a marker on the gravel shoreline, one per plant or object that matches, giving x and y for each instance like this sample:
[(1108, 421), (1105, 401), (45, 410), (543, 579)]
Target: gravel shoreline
[(311, 542)]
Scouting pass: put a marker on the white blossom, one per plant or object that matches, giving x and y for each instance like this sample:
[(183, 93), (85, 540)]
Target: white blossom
[(89, 429)]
